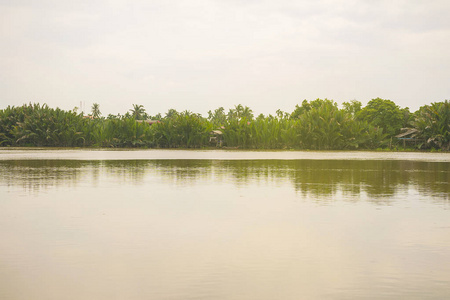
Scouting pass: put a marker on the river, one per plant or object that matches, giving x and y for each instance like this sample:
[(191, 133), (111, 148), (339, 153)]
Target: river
[(177, 224)]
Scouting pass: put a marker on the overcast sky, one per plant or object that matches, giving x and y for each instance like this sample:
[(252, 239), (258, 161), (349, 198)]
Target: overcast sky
[(200, 55)]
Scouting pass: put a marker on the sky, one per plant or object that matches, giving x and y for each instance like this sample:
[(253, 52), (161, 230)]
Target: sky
[(199, 55)]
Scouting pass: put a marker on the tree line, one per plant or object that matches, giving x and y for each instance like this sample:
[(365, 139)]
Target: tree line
[(316, 125)]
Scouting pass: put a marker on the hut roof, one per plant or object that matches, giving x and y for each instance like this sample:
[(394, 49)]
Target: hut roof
[(407, 132)]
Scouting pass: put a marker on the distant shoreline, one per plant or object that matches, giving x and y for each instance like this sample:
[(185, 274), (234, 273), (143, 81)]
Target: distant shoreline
[(87, 154), (219, 149)]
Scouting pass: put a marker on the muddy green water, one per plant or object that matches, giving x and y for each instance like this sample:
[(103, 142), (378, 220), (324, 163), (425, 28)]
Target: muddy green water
[(82, 224)]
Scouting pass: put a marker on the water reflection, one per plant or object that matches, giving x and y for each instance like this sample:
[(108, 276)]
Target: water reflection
[(323, 179), (224, 229)]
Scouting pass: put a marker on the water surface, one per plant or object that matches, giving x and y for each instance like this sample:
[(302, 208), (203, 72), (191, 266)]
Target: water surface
[(233, 228), (156, 154)]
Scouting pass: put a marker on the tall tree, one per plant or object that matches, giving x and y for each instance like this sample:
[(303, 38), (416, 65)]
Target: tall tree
[(247, 113), (218, 117), (239, 111), (352, 107), (383, 114), (137, 111), (96, 110), (171, 113), (433, 125)]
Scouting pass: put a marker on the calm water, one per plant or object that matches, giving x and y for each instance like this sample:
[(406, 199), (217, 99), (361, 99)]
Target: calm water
[(83, 224)]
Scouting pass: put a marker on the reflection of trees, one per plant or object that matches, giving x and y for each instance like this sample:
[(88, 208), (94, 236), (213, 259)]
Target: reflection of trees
[(325, 177), (182, 171), (377, 179), (34, 175), (125, 170)]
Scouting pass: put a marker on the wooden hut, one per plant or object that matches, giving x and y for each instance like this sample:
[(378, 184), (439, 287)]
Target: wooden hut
[(409, 135), (216, 137)]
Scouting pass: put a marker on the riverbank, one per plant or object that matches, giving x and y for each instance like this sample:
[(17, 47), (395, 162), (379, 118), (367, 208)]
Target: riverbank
[(9, 153)]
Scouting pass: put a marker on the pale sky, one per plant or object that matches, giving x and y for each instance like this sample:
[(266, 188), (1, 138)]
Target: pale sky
[(200, 55)]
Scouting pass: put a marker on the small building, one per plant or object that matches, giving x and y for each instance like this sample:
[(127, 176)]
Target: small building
[(216, 136), (409, 135)]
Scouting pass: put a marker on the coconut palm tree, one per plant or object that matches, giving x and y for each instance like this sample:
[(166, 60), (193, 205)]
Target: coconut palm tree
[(96, 110), (137, 111)]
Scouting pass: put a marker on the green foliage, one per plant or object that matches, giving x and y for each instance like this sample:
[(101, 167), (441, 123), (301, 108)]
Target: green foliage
[(300, 110), (240, 112), (323, 126), (317, 125), (138, 111), (37, 125), (119, 132), (218, 117), (384, 114), (352, 107), (320, 126), (171, 113), (433, 125), (237, 133), (407, 117), (273, 133), (96, 110), (184, 129)]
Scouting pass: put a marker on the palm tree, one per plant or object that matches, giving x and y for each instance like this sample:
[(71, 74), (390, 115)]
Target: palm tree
[(137, 111), (96, 110), (433, 124), (247, 113), (218, 117), (171, 113), (240, 112)]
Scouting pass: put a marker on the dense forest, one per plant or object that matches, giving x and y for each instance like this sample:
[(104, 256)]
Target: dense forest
[(315, 125)]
